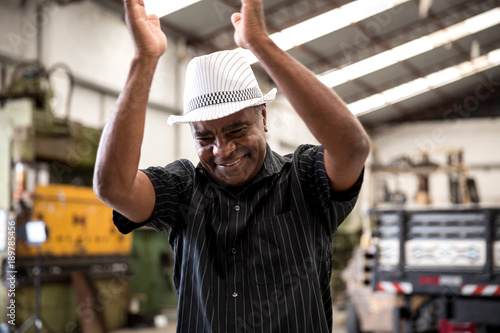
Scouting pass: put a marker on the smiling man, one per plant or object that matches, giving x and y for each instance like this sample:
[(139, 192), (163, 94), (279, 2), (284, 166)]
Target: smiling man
[(232, 148), (251, 230)]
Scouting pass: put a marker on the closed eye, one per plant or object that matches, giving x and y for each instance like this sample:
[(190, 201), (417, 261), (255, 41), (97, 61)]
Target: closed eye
[(238, 131), (204, 139)]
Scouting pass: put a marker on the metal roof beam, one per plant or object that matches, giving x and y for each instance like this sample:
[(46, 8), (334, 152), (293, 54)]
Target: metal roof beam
[(419, 28), (278, 17)]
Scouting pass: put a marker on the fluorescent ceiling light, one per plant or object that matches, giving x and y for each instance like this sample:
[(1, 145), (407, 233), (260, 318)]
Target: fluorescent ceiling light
[(406, 51), (444, 76), (406, 90), (335, 19), (327, 23), (163, 7), (361, 9), (424, 84), (494, 56)]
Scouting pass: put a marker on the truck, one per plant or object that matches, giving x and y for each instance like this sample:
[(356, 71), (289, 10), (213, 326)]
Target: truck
[(427, 270)]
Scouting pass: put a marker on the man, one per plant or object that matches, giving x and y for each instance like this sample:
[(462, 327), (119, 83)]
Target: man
[(251, 230)]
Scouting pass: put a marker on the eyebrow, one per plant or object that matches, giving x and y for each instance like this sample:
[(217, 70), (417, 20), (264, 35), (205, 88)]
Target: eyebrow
[(235, 125), (201, 134), (224, 129)]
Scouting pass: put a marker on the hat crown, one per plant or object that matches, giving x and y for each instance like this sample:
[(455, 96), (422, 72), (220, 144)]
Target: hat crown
[(224, 74), (218, 85)]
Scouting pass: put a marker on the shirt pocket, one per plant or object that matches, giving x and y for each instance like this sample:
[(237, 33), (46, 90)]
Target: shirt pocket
[(275, 251)]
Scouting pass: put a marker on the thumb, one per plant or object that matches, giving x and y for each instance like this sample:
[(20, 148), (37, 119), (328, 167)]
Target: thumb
[(235, 19), (154, 20)]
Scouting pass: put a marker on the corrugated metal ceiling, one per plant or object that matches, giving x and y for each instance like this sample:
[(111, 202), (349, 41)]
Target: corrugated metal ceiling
[(206, 27)]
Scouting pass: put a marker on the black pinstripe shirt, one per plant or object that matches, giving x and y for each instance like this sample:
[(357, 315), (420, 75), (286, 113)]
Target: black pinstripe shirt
[(258, 261)]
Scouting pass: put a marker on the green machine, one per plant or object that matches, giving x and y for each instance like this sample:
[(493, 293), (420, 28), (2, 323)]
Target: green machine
[(151, 263)]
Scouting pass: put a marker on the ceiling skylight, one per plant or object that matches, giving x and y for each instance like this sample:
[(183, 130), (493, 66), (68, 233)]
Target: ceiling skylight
[(406, 51), (165, 7), (329, 22), (336, 19), (427, 83)]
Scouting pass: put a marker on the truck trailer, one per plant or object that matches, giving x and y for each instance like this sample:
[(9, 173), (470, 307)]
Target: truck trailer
[(441, 266)]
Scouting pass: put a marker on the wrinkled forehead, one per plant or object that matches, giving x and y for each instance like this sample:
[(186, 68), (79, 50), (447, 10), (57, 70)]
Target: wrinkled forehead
[(244, 117)]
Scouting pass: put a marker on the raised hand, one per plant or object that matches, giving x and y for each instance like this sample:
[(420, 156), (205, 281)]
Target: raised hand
[(249, 24), (149, 39)]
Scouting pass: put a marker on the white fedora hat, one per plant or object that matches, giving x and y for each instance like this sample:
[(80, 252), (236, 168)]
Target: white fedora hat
[(217, 85)]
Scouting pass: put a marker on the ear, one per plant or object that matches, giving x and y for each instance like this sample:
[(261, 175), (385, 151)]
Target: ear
[(264, 117)]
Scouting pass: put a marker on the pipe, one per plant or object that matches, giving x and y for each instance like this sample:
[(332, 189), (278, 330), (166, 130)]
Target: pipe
[(83, 83)]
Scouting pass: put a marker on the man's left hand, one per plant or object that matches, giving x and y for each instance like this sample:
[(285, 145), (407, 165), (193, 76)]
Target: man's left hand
[(249, 24)]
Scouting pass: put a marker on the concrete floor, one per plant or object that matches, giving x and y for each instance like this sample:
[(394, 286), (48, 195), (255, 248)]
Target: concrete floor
[(338, 320)]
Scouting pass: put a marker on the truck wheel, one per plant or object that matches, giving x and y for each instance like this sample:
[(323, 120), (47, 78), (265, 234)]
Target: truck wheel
[(352, 320)]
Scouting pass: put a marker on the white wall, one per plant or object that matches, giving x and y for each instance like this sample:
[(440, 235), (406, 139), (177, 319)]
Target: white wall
[(93, 41), (286, 129), (18, 32), (478, 139)]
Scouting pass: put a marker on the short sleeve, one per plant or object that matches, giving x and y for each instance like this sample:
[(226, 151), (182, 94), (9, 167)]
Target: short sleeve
[(173, 186), (330, 206)]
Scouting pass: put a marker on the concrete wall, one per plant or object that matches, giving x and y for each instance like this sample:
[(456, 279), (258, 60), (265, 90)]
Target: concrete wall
[(286, 129), (477, 138), (18, 37), (93, 41)]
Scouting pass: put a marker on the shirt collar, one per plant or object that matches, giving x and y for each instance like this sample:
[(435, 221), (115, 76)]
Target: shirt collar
[(273, 163)]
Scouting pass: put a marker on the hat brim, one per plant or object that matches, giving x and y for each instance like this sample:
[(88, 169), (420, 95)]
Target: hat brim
[(222, 110)]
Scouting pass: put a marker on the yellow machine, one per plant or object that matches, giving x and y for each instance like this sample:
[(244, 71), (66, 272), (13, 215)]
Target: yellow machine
[(78, 224), (82, 269)]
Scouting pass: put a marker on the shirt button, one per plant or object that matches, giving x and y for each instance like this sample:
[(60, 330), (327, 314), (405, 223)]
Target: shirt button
[(237, 208), (233, 250), (235, 294)]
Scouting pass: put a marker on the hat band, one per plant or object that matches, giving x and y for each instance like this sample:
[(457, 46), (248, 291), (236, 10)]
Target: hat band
[(223, 97)]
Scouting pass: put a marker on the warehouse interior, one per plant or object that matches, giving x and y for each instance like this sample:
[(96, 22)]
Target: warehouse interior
[(421, 248)]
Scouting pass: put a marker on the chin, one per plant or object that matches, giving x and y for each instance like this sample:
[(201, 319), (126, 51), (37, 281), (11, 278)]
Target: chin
[(235, 183)]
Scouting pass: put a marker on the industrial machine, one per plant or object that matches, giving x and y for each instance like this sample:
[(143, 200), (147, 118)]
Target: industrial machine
[(46, 174)]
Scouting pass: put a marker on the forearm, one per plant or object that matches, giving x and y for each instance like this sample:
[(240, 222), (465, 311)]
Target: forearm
[(120, 146), (325, 114)]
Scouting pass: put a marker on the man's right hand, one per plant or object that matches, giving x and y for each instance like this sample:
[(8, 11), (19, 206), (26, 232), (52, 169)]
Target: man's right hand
[(117, 182), (149, 39)]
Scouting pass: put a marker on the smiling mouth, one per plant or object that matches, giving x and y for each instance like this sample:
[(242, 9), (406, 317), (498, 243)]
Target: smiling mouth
[(231, 164)]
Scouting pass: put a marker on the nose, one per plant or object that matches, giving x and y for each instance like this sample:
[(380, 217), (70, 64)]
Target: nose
[(223, 148)]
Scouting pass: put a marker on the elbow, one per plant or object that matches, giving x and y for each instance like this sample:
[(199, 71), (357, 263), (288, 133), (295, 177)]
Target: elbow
[(109, 196), (101, 190), (365, 146), (111, 192), (98, 182), (361, 149), (104, 191)]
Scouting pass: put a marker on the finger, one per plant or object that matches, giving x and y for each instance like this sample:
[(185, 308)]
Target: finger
[(154, 20), (235, 19), (133, 2), (129, 4)]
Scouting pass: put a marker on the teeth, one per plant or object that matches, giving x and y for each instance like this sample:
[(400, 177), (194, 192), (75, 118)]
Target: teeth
[(227, 165)]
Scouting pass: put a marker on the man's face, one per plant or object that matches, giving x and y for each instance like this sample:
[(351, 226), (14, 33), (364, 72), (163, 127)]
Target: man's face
[(232, 149)]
